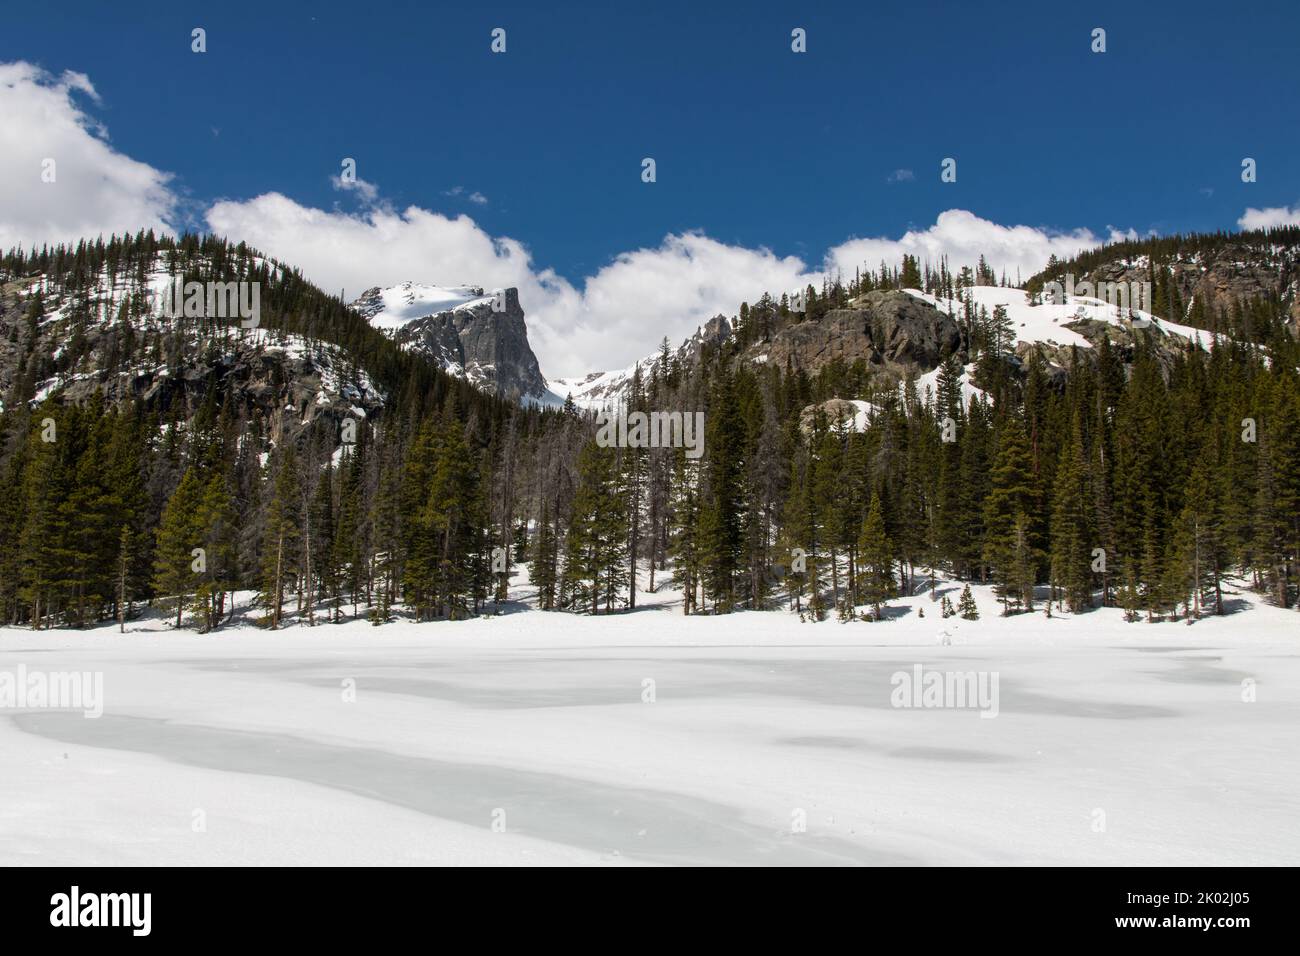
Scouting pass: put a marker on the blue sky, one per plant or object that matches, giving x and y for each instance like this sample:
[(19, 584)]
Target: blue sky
[(756, 146)]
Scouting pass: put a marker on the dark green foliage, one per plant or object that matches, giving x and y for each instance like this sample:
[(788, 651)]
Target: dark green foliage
[(966, 606), (1116, 475)]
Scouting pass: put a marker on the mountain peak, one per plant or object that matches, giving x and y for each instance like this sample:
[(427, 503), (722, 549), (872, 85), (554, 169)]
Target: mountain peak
[(468, 331)]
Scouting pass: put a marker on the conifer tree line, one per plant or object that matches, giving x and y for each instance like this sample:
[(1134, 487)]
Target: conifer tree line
[(1140, 479)]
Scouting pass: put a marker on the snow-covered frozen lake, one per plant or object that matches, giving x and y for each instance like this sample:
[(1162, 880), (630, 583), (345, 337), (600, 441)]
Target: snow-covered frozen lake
[(649, 737)]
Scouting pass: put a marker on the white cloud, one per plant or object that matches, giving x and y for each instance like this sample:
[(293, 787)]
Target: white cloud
[(628, 306), (901, 176), (612, 317), (368, 192), (377, 246), (963, 237), (460, 192), (1269, 218), (619, 315), (622, 311), (96, 190)]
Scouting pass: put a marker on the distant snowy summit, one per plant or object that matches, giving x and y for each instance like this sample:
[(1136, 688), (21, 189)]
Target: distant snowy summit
[(468, 331), (608, 390)]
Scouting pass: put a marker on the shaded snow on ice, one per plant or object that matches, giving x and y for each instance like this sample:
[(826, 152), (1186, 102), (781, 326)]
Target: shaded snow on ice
[(651, 825)]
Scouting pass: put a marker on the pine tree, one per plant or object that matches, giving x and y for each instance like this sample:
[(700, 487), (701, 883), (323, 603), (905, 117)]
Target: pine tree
[(453, 516), (124, 552), (911, 275), (1023, 570), (966, 606), (324, 560), (1197, 545), (876, 578), (1009, 547), (349, 551), (544, 568), (42, 488), (215, 526), (279, 547), (1071, 535), (721, 508), (1277, 500), (180, 535), (596, 547), (684, 544), (1001, 331), (1130, 596)]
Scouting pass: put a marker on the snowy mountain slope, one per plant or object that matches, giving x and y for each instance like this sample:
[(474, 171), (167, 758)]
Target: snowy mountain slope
[(1054, 326), (1201, 274), (927, 384), (115, 336), (475, 334), (600, 390), (606, 390), (1048, 322)]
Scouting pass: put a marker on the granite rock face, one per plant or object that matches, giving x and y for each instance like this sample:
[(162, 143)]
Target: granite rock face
[(1220, 279), (886, 329), (484, 340)]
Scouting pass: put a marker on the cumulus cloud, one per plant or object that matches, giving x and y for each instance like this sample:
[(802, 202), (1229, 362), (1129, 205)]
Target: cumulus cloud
[(963, 237), (46, 133), (1269, 218), (368, 192), (377, 246), (606, 320), (619, 314), (627, 307)]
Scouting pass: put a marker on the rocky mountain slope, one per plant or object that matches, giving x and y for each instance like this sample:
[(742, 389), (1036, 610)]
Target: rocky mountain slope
[(1200, 286), (896, 333), (888, 329), (1196, 276), (466, 331), (111, 336)]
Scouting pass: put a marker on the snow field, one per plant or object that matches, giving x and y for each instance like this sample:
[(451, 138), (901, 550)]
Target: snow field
[(766, 741)]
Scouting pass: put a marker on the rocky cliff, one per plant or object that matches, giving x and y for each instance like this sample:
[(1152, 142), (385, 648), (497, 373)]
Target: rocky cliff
[(886, 329), (465, 330)]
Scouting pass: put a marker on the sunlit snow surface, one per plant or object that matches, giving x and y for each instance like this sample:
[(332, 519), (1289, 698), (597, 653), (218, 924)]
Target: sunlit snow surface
[(1046, 322), (1114, 743), (403, 304)]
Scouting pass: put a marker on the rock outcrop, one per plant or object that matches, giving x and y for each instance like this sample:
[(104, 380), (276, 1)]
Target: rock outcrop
[(886, 329), (1219, 279), (482, 338)]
